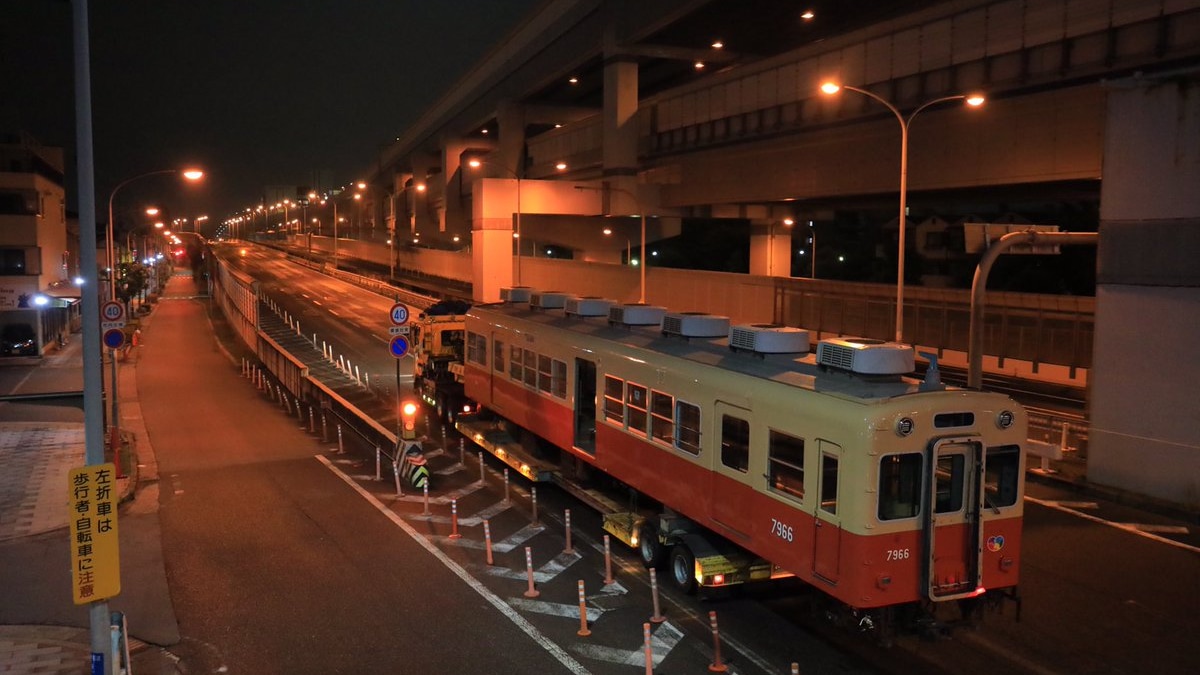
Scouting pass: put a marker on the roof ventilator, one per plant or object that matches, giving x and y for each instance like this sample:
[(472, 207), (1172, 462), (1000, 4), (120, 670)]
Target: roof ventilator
[(515, 294), (636, 315), (547, 300), (865, 356), (767, 338), (587, 306), (695, 325)]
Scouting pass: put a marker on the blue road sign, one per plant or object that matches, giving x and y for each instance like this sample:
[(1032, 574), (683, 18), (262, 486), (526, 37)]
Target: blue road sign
[(398, 346), (115, 337)]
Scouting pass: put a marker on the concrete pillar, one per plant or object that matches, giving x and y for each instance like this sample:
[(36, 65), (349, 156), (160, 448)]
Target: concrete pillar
[(494, 205), (510, 145), (455, 186), (425, 202), (620, 117), (770, 247), (1144, 435)]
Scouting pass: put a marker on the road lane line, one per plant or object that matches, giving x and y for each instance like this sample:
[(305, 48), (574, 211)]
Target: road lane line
[(1120, 526), (521, 622)]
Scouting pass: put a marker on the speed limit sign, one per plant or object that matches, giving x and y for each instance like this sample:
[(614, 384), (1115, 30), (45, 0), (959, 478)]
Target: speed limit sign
[(112, 315)]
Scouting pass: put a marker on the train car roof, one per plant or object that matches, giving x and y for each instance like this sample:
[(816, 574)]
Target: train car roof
[(798, 370)]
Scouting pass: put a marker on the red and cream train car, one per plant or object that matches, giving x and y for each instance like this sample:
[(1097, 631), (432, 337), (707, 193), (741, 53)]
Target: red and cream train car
[(836, 466)]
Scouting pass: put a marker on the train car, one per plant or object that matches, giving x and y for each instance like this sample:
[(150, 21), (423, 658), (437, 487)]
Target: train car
[(837, 466)]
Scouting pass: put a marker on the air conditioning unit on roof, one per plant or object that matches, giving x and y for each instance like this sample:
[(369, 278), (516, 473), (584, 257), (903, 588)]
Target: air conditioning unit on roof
[(766, 338), (515, 294), (866, 356), (636, 315), (695, 325), (589, 306), (547, 299)]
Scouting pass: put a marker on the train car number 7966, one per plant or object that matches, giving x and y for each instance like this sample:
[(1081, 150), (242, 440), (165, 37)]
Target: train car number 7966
[(780, 530)]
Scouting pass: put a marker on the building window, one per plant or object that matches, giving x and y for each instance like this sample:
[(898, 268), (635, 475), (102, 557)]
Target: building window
[(735, 443), (785, 464)]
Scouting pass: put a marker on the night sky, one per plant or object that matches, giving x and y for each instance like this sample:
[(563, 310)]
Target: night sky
[(257, 92)]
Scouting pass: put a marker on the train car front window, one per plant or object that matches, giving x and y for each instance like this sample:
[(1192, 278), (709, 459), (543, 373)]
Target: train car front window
[(1002, 474), (735, 443), (785, 464), (900, 486)]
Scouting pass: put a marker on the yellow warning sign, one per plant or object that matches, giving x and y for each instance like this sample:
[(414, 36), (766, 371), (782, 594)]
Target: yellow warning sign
[(95, 564)]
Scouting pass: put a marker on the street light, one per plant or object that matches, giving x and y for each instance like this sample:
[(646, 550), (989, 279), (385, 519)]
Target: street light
[(973, 100)]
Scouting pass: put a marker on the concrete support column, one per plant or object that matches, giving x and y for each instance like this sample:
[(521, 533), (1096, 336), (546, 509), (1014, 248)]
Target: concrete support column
[(620, 117), (494, 206), (455, 186), (1144, 435), (425, 202), (510, 146)]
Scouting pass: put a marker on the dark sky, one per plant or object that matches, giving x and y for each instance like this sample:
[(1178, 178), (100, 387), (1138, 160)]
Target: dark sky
[(257, 92)]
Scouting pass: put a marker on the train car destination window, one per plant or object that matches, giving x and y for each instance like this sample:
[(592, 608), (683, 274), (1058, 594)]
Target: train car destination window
[(900, 486), (635, 407), (735, 443), (785, 464), (614, 399), (687, 423), (498, 356), (1002, 473), (662, 417), (948, 478), (829, 483), (531, 372)]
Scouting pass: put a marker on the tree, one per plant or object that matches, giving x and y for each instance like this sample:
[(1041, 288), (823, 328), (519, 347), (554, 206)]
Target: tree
[(131, 282)]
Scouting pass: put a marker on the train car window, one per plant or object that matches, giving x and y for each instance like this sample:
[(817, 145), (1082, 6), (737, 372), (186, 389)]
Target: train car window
[(948, 478), (545, 374), (477, 349), (635, 407), (900, 486), (662, 417), (1002, 473), (515, 371), (687, 424), (785, 464), (558, 378), (498, 355), (735, 443), (829, 483), (530, 368), (614, 399)]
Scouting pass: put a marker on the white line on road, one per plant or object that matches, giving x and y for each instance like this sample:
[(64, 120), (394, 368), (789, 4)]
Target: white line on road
[(554, 609), (662, 641), (1120, 526), (521, 622)]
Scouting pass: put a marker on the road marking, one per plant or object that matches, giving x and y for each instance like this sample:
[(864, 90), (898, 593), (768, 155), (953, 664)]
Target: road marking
[(496, 601), (1119, 526), (554, 609), (662, 641), (543, 574)]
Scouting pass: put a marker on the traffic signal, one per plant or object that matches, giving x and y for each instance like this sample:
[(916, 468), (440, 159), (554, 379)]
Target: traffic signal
[(408, 419)]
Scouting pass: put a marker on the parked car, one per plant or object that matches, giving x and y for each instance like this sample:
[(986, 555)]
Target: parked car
[(18, 339)]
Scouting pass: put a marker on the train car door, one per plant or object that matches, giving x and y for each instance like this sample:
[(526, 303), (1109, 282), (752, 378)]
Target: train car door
[(731, 465), (827, 538), (585, 405), (952, 515)]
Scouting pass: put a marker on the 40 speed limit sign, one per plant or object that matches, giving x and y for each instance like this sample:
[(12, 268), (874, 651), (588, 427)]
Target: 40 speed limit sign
[(112, 315)]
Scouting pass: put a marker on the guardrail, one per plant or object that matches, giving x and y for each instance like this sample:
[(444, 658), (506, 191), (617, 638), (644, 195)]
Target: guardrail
[(1054, 434)]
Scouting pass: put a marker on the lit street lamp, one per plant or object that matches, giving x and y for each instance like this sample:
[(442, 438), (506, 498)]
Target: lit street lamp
[(973, 100)]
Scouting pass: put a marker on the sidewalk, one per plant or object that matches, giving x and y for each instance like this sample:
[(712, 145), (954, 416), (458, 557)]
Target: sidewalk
[(46, 632)]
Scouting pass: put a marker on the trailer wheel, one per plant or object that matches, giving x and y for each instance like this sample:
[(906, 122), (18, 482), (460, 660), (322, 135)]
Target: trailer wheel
[(652, 551), (683, 568)]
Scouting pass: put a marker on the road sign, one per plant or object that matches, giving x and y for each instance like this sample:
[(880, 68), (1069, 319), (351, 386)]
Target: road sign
[(114, 338), (112, 315), (95, 562), (399, 314), (398, 346), (398, 330)]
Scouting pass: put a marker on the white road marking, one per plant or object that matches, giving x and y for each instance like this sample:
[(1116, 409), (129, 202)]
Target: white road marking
[(554, 609), (511, 614), (541, 575), (1119, 526), (662, 640)]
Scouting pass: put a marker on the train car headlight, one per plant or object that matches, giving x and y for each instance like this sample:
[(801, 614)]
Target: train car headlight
[(1005, 419), (905, 426)]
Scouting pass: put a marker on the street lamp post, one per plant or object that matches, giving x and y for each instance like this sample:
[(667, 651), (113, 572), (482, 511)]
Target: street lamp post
[(813, 232), (973, 100)]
